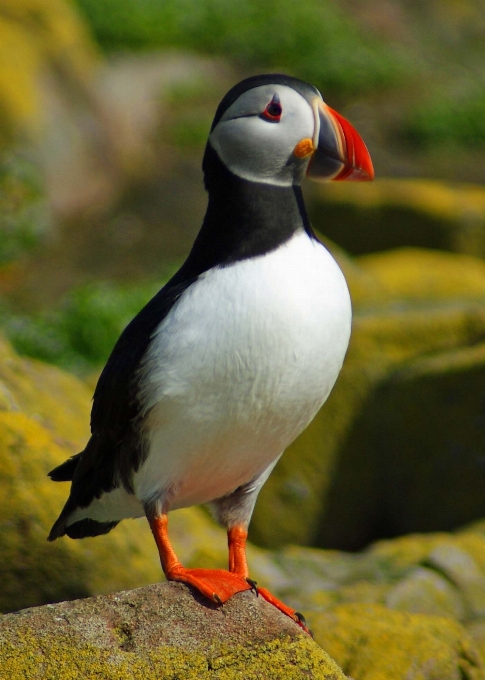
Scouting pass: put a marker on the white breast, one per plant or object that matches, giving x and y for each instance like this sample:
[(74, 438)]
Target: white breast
[(238, 368)]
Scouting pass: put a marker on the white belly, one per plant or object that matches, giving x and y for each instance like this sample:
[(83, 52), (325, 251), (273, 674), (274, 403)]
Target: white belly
[(238, 369)]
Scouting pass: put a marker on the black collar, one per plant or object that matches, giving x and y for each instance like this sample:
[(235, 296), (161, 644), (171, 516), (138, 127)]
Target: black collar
[(244, 219)]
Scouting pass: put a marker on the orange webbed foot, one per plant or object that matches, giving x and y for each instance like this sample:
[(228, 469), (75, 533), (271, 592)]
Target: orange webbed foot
[(292, 613), (217, 585)]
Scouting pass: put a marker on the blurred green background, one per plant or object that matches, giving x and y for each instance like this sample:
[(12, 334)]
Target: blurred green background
[(105, 106)]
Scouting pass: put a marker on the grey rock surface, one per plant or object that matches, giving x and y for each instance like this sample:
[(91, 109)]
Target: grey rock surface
[(162, 631)]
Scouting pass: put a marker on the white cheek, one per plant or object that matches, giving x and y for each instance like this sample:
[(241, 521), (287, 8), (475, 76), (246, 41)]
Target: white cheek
[(251, 148), (262, 151)]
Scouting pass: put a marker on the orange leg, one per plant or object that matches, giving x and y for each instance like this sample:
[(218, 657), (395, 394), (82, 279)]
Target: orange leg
[(236, 541), (217, 585), (236, 538)]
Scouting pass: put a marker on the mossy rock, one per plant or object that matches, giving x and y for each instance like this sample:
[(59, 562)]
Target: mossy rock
[(415, 274), (370, 642), (161, 632), (422, 444), (431, 575), (392, 213), (419, 320)]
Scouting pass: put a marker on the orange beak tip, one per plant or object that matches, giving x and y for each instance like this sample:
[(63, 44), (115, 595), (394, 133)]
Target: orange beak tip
[(357, 162)]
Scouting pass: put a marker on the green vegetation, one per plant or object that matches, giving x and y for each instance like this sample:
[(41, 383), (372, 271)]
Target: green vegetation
[(448, 121), (325, 43), (24, 216), (314, 39), (80, 333), (189, 114)]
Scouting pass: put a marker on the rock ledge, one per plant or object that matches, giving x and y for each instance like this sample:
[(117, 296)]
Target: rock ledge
[(162, 631)]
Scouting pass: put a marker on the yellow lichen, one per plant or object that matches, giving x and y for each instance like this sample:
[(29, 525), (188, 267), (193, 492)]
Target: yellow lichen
[(451, 202), (370, 642), (418, 274), (53, 398), (63, 658)]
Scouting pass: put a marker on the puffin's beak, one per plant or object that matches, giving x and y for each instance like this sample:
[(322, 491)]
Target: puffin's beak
[(339, 151)]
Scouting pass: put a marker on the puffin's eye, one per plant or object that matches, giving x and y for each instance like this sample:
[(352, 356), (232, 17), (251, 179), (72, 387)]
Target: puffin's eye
[(273, 111)]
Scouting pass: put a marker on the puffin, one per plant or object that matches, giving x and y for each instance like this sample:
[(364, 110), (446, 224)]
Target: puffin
[(231, 360)]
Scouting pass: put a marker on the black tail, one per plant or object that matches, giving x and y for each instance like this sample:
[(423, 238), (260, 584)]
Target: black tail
[(92, 473), (65, 471), (81, 529)]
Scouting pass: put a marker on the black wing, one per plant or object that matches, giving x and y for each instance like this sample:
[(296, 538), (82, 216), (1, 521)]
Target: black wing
[(115, 449)]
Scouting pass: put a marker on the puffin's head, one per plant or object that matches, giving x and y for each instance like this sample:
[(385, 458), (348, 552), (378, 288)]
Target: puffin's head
[(275, 129)]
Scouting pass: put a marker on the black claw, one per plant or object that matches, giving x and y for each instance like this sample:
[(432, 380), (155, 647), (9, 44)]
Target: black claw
[(301, 620), (254, 586), (216, 598)]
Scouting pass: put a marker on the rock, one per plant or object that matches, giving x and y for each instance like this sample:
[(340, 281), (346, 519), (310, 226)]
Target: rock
[(402, 426), (46, 395), (162, 632), (426, 591), (415, 453), (459, 567), (392, 213), (372, 643), (436, 574), (419, 275)]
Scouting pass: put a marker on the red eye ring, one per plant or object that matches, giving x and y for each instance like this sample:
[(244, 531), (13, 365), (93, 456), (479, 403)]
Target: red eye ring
[(273, 111)]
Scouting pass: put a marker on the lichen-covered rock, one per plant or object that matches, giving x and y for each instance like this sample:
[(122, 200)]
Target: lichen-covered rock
[(436, 574), (43, 419), (414, 455), (412, 374), (161, 632), (415, 275), (425, 590), (372, 643), (44, 416), (392, 213), (51, 398)]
